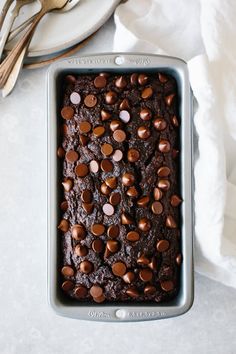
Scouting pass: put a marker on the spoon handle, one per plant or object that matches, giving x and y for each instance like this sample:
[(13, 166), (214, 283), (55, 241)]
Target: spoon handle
[(4, 11), (8, 64)]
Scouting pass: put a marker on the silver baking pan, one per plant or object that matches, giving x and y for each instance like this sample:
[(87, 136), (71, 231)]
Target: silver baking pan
[(118, 312)]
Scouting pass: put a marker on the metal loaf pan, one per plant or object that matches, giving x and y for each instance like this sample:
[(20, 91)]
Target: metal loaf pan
[(118, 312)]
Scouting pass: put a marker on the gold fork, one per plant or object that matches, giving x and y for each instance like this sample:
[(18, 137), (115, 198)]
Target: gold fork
[(8, 64)]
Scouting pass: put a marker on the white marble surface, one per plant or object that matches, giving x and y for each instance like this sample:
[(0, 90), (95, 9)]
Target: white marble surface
[(27, 324)]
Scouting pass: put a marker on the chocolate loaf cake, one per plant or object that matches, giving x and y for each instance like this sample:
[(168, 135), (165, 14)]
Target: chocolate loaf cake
[(120, 219)]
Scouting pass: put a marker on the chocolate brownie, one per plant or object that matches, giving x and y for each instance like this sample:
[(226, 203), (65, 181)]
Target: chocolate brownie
[(120, 219)]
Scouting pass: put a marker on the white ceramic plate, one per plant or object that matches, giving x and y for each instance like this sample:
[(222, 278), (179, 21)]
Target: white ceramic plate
[(57, 32)]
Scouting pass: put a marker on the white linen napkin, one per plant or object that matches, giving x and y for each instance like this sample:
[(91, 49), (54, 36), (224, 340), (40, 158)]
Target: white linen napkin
[(202, 32)]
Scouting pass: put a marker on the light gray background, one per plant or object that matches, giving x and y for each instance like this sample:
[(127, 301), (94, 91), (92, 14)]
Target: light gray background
[(27, 324)]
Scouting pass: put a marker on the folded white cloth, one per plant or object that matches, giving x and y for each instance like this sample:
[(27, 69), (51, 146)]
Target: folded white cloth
[(202, 33)]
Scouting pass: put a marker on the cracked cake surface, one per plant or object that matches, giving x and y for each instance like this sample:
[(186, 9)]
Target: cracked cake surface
[(120, 187)]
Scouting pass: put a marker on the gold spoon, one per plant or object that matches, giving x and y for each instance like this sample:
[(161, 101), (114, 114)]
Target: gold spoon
[(70, 5), (10, 20), (8, 64), (11, 81), (4, 11)]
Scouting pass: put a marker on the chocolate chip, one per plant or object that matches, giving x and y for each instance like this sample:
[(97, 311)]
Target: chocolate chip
[(94, 166), (90, 101), (167, 285), (119, 135), (160, 124), (162, 245), (97, 246), (105, 189), (143, 202), (78, 232), (70, 79), (128, 277), (157, 193), (88, 207), (157, 208), (100, 81), (133, 155), (64, 205), (111, 182), (68, 184), (142, 260), (142, 79), (149, 290), (87, 196), (113, 231), (81, 170), (132, 192), (67, 112), (112, 246), (153, 264), (75, 98), (111, 97), (144, 224), (126, 219), (179, 259), (133, 236), (97, 229), (145, 114), (170, 222), (175, 153), (132, 292), (147, 93), (162, 78), (81, 250), (107, 149), (105, 74), (96, 291), (175, 200), (99, 131), (128, 179), (164, 146), (81, 291), (72, 156), (163, 184), (124, 116), (108, 209), (124, 104), (117, 156), (64, 225), (134, 79), (67, 285), (106, 165), (144, 132), (83, 140), (163, 171), (99, 299), (115, 124), (85, 127), (115, 198), (67, 271), (169, 99), (105, 115), (60, 152), (175, 121), (145, 275), (121, 82), (119, 269), (86, 267), (107, 253), (64, 129)]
